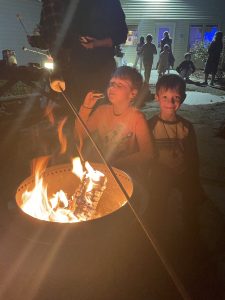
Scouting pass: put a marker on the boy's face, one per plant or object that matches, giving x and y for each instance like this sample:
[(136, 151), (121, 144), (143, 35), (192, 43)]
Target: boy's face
[(120, 91), (169, 100)]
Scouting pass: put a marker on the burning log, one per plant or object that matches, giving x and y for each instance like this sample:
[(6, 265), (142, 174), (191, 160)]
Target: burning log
[(86, 200), (89, 192)]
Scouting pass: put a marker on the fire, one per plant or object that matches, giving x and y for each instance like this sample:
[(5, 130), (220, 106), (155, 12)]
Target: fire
[(62, 138), (60, 207), (49, 112)]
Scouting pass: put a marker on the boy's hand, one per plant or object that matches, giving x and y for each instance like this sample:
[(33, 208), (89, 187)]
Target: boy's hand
[(91, 99)]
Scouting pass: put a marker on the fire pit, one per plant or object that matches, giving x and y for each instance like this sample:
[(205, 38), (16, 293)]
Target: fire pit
[(91, 257), (61, 178)]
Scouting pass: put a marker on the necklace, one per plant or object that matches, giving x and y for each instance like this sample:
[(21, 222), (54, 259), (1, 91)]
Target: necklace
[(174, 151)]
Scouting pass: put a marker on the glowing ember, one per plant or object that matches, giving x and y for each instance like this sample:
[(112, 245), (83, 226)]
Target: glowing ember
[(60, 207)]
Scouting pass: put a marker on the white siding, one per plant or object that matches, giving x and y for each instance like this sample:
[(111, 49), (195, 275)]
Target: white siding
[(180, 41), (180, 38), (12, 35), (144, 27)]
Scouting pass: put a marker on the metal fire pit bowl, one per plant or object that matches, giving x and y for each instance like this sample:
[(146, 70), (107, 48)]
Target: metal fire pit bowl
[(61, 178), (105, 258)]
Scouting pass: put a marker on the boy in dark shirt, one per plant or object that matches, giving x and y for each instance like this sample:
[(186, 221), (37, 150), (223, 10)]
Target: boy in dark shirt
[(176, 163), (186, 67)]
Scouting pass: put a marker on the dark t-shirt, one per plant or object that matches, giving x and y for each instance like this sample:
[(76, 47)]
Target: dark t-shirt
[(148, 50)]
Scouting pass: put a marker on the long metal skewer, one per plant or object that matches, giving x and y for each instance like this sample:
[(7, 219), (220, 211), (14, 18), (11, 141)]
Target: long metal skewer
[(179, 285), (35, 51)]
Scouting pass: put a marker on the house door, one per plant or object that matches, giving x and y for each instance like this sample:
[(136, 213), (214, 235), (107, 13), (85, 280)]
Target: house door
[(160, 28)]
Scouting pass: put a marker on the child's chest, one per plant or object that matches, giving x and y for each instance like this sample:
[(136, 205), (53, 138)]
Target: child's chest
[(116, 130)]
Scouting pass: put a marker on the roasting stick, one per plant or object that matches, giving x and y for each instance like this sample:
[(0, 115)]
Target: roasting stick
[(35, 51), (59, 87)]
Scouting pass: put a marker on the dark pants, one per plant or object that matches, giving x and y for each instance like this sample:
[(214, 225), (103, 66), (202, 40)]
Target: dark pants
[(161, 182), (148, 69)]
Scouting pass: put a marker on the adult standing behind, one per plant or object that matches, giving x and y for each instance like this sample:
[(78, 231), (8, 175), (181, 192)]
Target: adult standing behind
[(139, 55), (214, 52), (167, 40), (97, 27), (149, 50), (86, 33)]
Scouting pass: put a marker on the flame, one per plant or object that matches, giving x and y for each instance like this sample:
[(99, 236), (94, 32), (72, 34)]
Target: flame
[(88, 171), (49, 112), (57, 207), (62, 138)]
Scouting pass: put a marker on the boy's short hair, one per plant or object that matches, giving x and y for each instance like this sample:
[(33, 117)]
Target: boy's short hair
[(130, 73), (149, 37), (172, 81), (188, 54)]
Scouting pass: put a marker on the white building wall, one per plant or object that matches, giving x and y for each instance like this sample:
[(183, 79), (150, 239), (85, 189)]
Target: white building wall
[(180, 37), (12, 35), (144, 27)]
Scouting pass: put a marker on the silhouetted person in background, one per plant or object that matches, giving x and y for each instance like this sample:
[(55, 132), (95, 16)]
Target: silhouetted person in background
[(214, 52), (81, 36), (163, 63), (186, 67), (139, 55), (167, 40), (149, 50)]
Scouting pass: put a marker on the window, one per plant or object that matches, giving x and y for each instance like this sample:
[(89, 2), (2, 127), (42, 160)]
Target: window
[(209, 33), (132, 37), (201, 33), (195, 35), (160, 33)]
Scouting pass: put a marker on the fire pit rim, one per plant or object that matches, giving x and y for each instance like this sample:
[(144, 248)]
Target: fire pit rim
[(62, 168)]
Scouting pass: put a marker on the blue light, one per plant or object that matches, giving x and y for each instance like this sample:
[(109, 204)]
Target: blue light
[(208, 36)]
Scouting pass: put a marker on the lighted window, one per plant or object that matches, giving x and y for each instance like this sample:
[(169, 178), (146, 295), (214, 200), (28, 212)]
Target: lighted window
[(201, 33), (195, 35), (210, 31), (161, 32), (132, 37)]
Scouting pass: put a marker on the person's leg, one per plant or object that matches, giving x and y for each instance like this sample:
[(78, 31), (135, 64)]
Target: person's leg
[(136, 60), (206, 78), (183, 73), (188, 73), (141, 63), (213, 79), (146, 72)]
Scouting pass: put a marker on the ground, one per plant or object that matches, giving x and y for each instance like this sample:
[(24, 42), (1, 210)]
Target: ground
[(25, 134)]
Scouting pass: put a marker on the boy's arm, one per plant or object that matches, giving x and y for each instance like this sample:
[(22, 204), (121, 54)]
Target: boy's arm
[(85, 113)]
